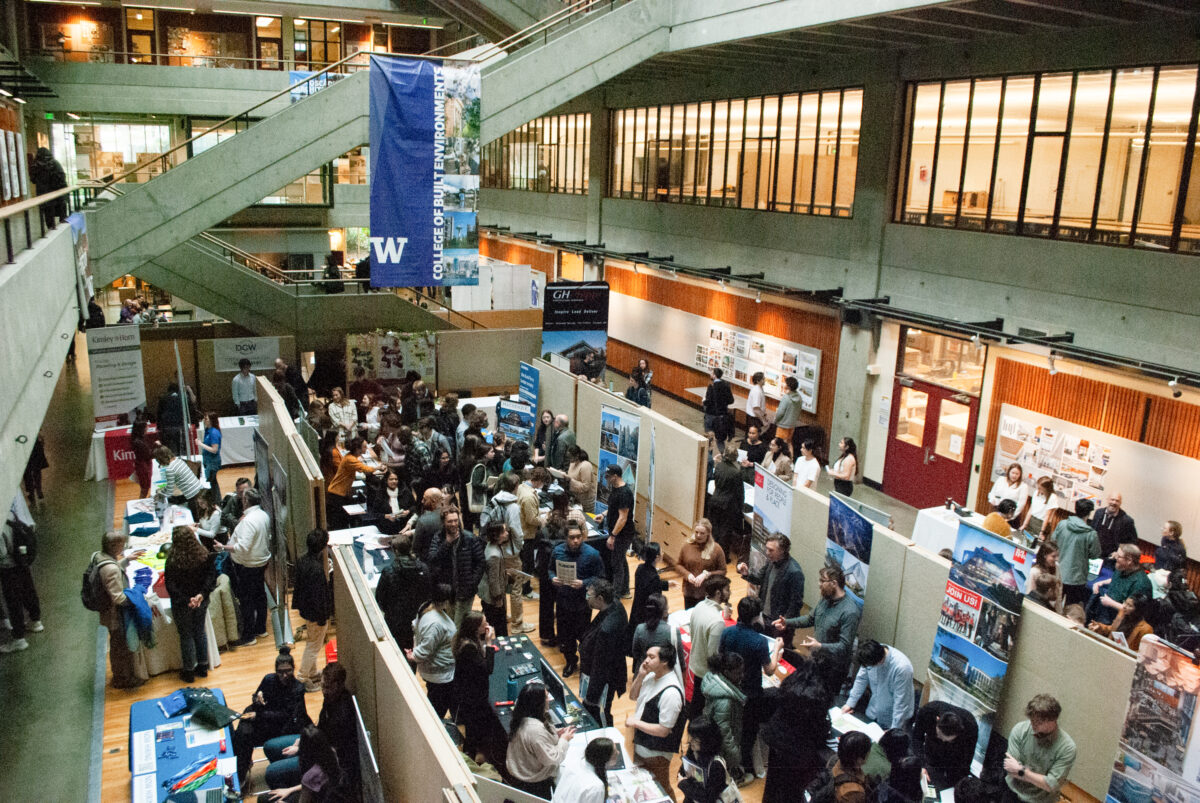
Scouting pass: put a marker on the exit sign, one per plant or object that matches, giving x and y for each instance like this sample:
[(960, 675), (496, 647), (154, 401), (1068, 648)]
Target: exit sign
[(49, 115)]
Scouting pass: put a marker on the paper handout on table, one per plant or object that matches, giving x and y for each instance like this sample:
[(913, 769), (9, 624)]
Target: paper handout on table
[(565, 570), (844, 721), (144, 758)]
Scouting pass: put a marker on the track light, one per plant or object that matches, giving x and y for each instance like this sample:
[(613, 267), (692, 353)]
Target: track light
[(1173, 385), (758, 297), (975, 339), (1053, 370)]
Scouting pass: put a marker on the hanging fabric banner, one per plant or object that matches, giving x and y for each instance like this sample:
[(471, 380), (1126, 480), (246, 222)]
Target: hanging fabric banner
[(575, 327), (424, 132), (848, 545), (978, 624), (772, 515), (1158, 757)]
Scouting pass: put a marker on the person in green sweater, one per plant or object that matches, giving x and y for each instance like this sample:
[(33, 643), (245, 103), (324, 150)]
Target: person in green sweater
[(1127, 580), (1077, 544), (1040, 754), (835, 620), (724, 703)]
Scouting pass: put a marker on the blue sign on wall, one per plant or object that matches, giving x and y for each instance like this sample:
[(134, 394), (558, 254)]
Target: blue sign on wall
[(528, 384)]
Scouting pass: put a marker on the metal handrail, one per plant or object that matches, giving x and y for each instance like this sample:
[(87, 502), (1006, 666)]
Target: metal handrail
[(543, 26)]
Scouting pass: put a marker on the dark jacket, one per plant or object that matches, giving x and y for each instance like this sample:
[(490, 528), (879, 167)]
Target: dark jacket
[(313, 594), (602, 651), (170, 410), (284, 710), (728, 491), (560, 441), (1113, 530), (459, 564), (339, 722), (426, 533), (1170, 555), (645, 582), (46, 173), (472, 675), (403, 587), (947, 762), (787, 588), (717, 398), (183, 584)]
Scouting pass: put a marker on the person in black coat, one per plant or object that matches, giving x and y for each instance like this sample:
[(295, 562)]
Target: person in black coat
[(337, 720), (313, 598), (645, 582), (277, 708), (190, 574), (602, 652), (944, 738), (549, 535), (403, 588), (457, 561), (780, 584), (725, 504), (47, 175), (388, 517), (717, 418), (474, 659)]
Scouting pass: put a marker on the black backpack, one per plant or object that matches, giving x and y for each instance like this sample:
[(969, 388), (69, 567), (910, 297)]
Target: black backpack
[(24, 542), (91, 592)]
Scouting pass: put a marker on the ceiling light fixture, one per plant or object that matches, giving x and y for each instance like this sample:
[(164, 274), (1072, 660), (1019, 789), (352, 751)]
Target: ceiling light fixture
[(758, 297), (263, 22), (1053, 370), (1173, 385), (18, 100), (73, 115), (137, 16)]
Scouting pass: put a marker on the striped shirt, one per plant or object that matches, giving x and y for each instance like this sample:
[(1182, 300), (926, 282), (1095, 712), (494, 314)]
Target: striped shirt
[(179, 476)]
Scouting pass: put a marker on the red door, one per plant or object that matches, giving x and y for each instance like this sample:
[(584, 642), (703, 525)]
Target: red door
[(931, 438)]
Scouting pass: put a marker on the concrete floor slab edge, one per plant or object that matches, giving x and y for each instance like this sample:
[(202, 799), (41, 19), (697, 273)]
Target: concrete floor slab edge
[(95, 766)]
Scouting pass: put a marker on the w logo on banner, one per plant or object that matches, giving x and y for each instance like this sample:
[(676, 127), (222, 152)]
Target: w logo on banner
[(388, 250)]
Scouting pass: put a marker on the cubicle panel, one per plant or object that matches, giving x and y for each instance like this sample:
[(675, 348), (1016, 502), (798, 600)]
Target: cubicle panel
[(158, 367), (810, 522), (1089, 677), (556, 390), (483, 358), (923, 586), (304, 485), (889, 552), (418, 760), (356, 633)]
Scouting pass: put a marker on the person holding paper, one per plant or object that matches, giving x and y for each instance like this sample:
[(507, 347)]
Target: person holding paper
[(574, 566), (888, 673)]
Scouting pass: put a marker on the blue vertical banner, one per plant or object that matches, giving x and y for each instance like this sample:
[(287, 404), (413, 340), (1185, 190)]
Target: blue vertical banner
[(424, 127), (528, 384)]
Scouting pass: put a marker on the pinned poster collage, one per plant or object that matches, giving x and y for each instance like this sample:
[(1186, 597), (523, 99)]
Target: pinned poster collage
[(740, 355), (977, 627)]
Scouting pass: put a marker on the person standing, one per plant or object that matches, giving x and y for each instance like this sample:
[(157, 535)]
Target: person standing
[(143, 457), (495, 579), (474, 659), (603, 673), (343, 412), (47, 175), (16, 580), (756, 403), (210, 452), (428, 526), (1113, 526), (835, 622), (944, 737), (807, 467), (403, 588), (755, 448), (295, 380), (845, 468), (458, 562), (759, 657), (700, 557), (250, 550), (780, 585), (725, 504), (888, 673), (313, 598), (787, 414), (1040, 754), (573, 611), (169, 416), (618, 520), (706, 626), (178, 477), (34, 466), (562, 438), (718, 422), (191, 576), (1077, 544), (657, 722), (433, 653), (245, 389), (112, 582)]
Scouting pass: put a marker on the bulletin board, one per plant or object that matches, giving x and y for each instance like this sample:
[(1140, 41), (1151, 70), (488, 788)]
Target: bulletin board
[(1155, 485), (704, 344)]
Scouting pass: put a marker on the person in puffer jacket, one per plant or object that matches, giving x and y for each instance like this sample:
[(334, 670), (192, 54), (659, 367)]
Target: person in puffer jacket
[(724, 703)]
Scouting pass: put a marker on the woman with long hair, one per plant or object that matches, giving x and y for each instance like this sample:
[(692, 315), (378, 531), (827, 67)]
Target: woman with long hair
[(321, 773), (343, 413), (588, 782), (329, 454), (277, 708), (778, 459), (1055, 517), (1046, 562), (1011, 485), (493, 589), (808, 466), (845, 468), (478, 479), (474, 658), (653, 631), (1041, 503), (1171, 553), (704, 751), (580, 476), (208, 517), (143, 457), (1132, 622), (536, 749), (541, 436), (210, 450), (552, 533), (190, 575), (700, 557)]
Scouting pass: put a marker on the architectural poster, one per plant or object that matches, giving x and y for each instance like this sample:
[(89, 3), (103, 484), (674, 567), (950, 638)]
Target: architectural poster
[(977, 625), (848, 545), (741, 355), (390, 355), (1078, 465), (620, 434), (772, 515)]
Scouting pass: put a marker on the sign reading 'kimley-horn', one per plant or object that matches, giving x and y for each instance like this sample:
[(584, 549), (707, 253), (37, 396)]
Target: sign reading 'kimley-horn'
[(115, 359), (424, 126)]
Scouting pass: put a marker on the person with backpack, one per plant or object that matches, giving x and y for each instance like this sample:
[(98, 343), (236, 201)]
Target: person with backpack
[(658, 721), (845, 782), (505, 507), (103, 591), (17, 551)]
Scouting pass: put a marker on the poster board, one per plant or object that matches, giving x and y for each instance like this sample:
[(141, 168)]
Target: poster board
[(703, 343), (1155, 485), (260, 351), (118, 383), (388, 356), (515, 419), (848, 545), (620, 437)]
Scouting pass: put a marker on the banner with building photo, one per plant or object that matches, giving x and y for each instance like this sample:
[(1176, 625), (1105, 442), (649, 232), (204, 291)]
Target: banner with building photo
[(977, 626), (115, 361), (424, 136), (1158, 755), (772, 515), (620, 433), (516, 419), (388, 356), (848, 545), (575, 327)]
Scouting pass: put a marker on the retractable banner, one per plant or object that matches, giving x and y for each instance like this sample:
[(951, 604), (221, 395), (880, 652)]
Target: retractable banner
[(424, 132), (977, 626), (115, 357), (1158, 755), (772, 515), (848, 545), (575, 327), (620, 434), (528, 384)]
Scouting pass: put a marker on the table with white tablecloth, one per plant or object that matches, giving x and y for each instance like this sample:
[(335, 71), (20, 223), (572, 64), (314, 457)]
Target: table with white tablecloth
[(936, 528), (237, 445)]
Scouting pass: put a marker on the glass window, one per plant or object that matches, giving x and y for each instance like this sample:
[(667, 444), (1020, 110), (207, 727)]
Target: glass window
[(1100, 155), (910, 423), (943, 360), (549, 154), (953, 420)]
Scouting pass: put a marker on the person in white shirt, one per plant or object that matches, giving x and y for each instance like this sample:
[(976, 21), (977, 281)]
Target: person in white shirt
[(659, 710), (1044, 500), (343, 413), (245, 395), (587, 781), (756, 403), (249, 550), (807, 468), (177, 476), (1010, 486)]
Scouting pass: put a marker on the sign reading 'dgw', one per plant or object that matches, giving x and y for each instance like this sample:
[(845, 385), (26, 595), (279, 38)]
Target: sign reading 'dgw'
[(260, 351)]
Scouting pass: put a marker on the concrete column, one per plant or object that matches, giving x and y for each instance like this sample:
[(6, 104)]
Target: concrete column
[(598, 147), (854, 354)]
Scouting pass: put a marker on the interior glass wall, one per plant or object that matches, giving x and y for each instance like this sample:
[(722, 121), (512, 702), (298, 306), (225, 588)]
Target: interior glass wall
[(783, 153), (549, 154), (98, 147), (1103, 156)]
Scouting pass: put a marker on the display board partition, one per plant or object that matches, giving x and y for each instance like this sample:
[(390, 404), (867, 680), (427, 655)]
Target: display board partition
[(483, 360), (305, 487), (556, 389)]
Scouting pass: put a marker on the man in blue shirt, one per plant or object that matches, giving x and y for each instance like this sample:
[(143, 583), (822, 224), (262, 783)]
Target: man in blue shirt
[(573, 556), (759, 654), (888, 673)]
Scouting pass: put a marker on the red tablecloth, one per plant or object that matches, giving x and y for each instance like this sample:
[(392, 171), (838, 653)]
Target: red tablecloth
[(118, 451)]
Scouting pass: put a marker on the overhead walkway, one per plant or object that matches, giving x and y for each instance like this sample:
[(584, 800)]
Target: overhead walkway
[(569, 60), (150, 219), (497, 19)]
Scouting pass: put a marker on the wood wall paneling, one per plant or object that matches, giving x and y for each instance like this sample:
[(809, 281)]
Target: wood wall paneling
[(518, 254)]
